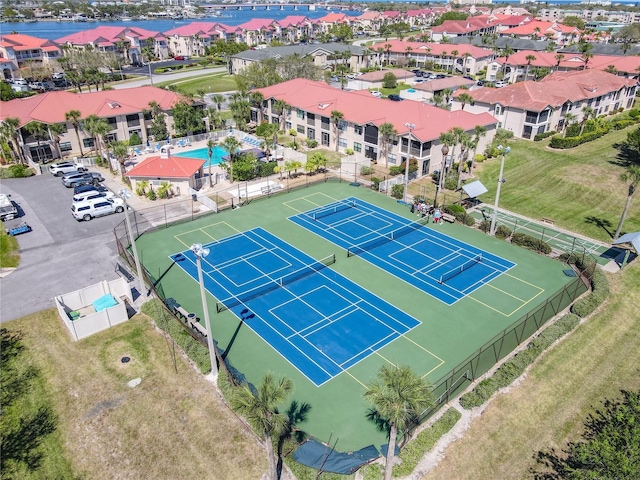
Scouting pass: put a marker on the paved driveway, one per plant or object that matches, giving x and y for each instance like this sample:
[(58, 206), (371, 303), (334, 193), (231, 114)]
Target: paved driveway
[(60, 255)]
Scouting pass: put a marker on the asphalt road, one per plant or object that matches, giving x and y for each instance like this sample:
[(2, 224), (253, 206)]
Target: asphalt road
[(59, 255)]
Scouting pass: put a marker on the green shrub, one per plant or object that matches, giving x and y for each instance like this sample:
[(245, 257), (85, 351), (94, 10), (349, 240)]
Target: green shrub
[(397, 191), (468, 220), (396, 170), (451, 180), (479, 158), (542, 136), (413, 452), (621, 124), (502, 232), (485, 226), (531, 243), (134, 140), (589, 303), (455, 210), (634, 113), (19, 170), (195, 350), (151, 194), (349, 151), (312, 143), (367, 171), (490, 151), (570, 142), (375, 183)]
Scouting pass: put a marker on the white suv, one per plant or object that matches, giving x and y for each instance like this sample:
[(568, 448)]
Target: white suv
[(60, 168), (92, 195), (96, 208)]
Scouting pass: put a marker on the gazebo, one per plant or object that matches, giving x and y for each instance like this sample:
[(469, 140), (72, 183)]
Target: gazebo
[(633, 239)]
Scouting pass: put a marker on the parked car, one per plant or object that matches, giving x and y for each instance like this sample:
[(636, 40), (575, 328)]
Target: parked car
[(37, 86), (96, 208), (89, 188), (376, 94), (179, 57), (85, 178), (61, 168), (395, 97), (500, 84), (92, 195)]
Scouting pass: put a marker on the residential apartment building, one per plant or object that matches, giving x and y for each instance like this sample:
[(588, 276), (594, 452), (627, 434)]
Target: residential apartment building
[(126, 111), (129, 43), (417, 124), (18, 50), (528, 108), (324, 55), (462, 58)]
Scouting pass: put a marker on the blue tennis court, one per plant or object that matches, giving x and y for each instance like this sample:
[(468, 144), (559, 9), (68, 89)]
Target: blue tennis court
[(442, 266), (320, 321)]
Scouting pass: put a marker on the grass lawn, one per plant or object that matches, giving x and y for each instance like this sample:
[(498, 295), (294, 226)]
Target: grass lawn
[(212, 83), (9, 256), (173, 425), (579, 188), (549, 407), (388, 91)]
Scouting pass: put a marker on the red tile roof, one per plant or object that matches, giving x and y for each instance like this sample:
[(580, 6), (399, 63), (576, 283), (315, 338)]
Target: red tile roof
[(627, 64), (193, 28), (553, 90), (166, 168), (544, 59), (19, 41), (530, 29), (334, 18), (50, 107), (292, 21), (399, 46), (471, 24), (362, 108), (258, 24), (370, 15), (113, 34)]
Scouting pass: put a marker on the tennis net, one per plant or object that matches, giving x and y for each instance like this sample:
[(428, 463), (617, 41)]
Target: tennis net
[(274, 284), (458, 270), (386, 237), (325, 212)]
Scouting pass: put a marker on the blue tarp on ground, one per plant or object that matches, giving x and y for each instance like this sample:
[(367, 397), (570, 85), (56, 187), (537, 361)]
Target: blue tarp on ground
[(317, 455)]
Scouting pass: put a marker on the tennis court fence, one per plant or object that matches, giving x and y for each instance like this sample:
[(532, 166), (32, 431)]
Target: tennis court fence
[(274, 284), (486, 357)]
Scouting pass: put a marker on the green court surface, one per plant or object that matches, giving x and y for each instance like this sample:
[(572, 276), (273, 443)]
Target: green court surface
[(446, 337), (557, 239)]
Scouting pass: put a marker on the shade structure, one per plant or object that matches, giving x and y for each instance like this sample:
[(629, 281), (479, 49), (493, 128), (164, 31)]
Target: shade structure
[(474, 189)]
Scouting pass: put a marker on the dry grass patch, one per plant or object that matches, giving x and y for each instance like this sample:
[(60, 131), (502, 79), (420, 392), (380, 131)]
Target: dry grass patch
[(173, 425), (548, 408)]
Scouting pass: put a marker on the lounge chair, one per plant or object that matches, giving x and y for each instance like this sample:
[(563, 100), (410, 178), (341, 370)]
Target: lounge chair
[(187, 143), (180, 143), (137, 151)]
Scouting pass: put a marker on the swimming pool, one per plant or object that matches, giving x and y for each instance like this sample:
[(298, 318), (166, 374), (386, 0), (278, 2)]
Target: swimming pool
[(203, 154)]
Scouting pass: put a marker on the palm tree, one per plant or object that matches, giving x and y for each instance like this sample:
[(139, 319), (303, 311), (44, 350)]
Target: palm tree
[(279, 107), (587, 113), (210, 146), (506, 53), (466, 144), (454, 55), (479, 132), (447, 139), (260, 408), (231, 144), (465, 98), (74, 116), (438, 100), (559, 57), (529, 59), (447, 93), (120, 151), (336, 116), (398, 397), (11, 129), (568, 119), (37, 130), (55, 130), (632, 175), (257, 98), (386, 130), (218, 100)]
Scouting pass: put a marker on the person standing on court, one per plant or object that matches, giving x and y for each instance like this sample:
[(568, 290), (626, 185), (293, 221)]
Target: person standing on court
[(436, 216)]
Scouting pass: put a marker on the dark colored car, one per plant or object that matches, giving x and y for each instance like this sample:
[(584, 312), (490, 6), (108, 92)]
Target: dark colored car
[(395, 97), (178, 57), (88, 188), (81, 179)]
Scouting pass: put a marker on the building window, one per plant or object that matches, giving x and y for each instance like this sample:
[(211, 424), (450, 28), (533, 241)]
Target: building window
[(111, 137), (311, 133), (392, 157), (288, 125), (325, 123), (342, 125), (65, 146), (133, 120), (357, 147), (357, 129), (87, 142), (300, 113), (342, 142), (300, 129)]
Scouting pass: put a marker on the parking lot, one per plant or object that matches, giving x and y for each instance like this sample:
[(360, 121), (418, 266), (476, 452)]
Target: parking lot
[(60, 254)]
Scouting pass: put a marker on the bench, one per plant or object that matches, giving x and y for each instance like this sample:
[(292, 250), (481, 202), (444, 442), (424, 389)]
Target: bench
[(447, 217), (193, 323), (548, 220)]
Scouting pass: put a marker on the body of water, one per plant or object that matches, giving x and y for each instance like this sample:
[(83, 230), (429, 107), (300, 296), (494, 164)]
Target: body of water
[(52, 29), (203, 154)]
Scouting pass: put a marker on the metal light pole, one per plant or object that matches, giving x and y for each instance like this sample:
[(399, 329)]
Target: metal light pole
[(125, 195), (445, 152), (200, 253), (410, 126), (501, 180)]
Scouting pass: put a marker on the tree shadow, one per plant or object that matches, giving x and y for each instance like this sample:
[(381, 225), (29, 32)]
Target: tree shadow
[(292, 436), (381, 424), (626, 155), (602, 223), (244, 315)]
